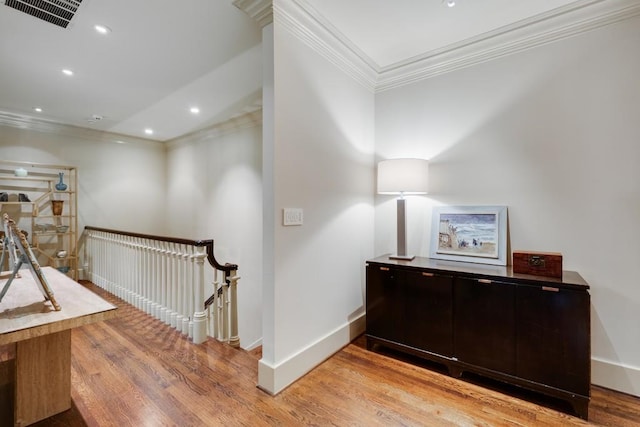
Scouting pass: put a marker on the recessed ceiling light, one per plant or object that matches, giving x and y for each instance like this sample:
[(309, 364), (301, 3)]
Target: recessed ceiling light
[(148, 131), (68, 72), (102, 29), (37, 109), (450, 3), (194, 110), (119, 141)]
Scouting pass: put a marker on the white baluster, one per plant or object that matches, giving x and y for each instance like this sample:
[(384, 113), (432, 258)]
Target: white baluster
[(113, 260), (118, 267), (105, 264), (135, 273), (164, 301), (179, 289), (105, 260), (85, 256), (153, 303), (94, 258), (213, 312), (147, 277), (88, 265), (224, 323), (154, 279), (128, 272), (98, 259), (108, 254), (142, 274), (156, 282), (187, 290), (220, 317), (173, 285)]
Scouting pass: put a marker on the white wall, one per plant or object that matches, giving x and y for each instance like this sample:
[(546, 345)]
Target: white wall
[(121, 186), (215, 192), (322, 162), (553, 134)]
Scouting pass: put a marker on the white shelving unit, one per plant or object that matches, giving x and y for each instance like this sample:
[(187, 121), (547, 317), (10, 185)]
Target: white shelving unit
[(53, 238)]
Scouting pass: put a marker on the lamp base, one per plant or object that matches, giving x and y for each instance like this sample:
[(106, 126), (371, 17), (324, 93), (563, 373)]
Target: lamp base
[(402, 257)]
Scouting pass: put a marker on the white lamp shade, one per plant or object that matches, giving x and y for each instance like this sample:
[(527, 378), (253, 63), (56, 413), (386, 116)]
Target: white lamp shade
[(403, 176)]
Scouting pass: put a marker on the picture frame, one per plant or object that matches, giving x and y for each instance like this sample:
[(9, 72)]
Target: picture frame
[(469, 233)]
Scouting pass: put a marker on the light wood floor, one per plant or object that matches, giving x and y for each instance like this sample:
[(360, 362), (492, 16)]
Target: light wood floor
[(135, 371)]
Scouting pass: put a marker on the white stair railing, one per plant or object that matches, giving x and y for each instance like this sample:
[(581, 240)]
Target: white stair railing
[(165, 277)]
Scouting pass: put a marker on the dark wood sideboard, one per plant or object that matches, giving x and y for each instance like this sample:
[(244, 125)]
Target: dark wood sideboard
[(529, 331)]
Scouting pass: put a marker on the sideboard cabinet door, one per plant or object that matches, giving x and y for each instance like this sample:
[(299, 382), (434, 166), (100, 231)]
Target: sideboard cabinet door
[(553, 343), (484, 324), (383, 304), (428, 311)]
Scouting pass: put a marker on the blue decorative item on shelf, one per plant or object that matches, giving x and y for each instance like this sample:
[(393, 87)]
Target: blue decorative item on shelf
[(61, 186)]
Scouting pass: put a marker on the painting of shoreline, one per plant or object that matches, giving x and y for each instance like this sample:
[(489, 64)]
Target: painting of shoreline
[(468, 234)]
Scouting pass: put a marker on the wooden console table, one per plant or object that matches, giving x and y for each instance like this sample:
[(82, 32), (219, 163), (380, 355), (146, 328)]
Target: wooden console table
[(39, 377), (529, 331)]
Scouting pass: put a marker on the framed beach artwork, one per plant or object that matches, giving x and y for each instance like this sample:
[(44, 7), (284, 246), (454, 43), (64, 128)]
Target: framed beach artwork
[(470, 233)]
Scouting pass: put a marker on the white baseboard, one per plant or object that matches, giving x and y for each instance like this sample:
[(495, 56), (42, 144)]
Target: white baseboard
[(274, 379), (615, 376), (253, 345)]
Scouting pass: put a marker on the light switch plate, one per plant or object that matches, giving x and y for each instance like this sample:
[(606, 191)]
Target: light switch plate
[(292, 216)]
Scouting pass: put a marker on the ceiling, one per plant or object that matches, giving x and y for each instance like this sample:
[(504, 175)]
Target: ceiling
[(392, 31), (163, 57)]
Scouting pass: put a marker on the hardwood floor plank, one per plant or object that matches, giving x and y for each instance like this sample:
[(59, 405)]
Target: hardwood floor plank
[(134, 370)]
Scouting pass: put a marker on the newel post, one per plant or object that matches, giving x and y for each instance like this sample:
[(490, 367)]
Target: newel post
[(199, 316), (234, 340)]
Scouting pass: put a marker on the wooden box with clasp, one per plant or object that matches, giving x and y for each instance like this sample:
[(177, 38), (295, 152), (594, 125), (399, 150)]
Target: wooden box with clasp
[(538, 263)]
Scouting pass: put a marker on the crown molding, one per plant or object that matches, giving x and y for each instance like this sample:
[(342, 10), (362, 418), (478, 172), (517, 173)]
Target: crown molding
[(260, 10), (575, 18), (303, 22), (249, 119), (33, 124), (558, 24), (30, 123)]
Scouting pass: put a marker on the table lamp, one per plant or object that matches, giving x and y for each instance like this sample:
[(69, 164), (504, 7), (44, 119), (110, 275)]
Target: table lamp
[(403, 177)]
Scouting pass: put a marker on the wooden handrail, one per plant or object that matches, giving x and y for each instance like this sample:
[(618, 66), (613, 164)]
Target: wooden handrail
[(208, 244)]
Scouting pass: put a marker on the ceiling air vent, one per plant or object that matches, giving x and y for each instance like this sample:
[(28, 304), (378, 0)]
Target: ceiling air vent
[(58, 12)]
